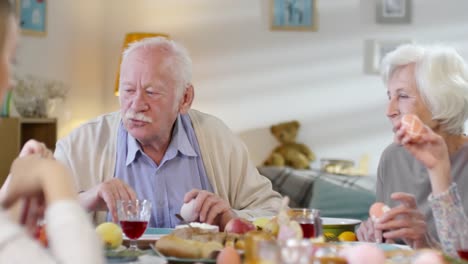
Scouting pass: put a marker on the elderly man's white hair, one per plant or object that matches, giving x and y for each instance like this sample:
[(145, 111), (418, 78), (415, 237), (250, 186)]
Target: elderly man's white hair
[(177, 60), (441, 77)]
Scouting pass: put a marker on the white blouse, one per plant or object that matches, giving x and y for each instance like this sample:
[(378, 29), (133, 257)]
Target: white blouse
[(71, 236)]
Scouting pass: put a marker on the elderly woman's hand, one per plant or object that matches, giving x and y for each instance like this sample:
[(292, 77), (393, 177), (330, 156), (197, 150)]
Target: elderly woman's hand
[(405, 222), (33, 147), (430, 148), (34, 183), (367, 232)]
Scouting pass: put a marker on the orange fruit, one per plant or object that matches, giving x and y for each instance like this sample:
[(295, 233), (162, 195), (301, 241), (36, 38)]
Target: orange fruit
[(413, 126), (347, 236)]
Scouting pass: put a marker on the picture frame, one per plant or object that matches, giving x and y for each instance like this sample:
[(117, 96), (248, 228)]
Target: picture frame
[(376, 49), (32, 15), (393, 11), (294, 15)]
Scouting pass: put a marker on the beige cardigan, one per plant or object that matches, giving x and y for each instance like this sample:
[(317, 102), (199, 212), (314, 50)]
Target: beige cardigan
[(90, 152)]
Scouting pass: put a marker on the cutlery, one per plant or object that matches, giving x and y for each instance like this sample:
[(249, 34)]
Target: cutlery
[(182, 220)]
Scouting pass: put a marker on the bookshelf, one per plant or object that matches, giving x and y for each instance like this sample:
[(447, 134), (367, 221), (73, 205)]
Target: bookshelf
[(15, 131)]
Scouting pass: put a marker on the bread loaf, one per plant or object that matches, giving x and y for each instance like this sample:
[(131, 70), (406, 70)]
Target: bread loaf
[(178, 247), (174, 246)]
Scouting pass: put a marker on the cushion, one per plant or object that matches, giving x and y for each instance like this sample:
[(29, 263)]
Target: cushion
[(335, 195), (341, 200), (292, 183)]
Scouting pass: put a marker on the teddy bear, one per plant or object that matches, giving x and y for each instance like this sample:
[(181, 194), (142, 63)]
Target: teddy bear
[(289, 153)]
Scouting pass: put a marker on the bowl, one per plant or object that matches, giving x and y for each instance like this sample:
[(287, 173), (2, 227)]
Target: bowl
[(333, 227), (336, 166)]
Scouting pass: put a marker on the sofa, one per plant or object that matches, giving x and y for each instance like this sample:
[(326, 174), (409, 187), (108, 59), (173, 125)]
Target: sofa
[(335, 195)]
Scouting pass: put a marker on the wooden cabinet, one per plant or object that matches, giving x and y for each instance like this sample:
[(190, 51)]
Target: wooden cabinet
[(14, 132)]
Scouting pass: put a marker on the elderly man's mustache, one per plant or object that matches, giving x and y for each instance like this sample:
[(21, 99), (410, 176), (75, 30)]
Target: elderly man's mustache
[(137, 116)]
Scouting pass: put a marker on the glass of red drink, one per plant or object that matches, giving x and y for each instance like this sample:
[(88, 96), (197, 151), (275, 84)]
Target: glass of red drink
[(461, 245), (133, 217), (308, 219)]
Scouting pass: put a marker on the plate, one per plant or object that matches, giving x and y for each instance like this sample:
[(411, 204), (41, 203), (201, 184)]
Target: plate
[(121, 255), (116, 259), (149, 237), (152, 233), (333, 227), (331, 221), (181, 260), (184, 260)]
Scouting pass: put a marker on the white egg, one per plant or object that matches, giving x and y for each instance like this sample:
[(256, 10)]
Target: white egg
[(187, 211)]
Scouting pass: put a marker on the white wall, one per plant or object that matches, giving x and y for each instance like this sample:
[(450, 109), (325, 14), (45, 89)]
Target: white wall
[(71, 52), (244, 73)]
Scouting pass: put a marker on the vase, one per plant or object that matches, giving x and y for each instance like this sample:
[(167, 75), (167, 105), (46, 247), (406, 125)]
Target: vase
[(33, 107)]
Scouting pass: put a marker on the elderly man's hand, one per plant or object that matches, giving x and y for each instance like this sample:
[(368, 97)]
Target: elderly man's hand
[(404, 221), (105, 195), (210, 207)]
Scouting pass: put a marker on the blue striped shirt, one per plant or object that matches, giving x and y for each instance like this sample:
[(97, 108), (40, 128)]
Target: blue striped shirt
[(180, 170)]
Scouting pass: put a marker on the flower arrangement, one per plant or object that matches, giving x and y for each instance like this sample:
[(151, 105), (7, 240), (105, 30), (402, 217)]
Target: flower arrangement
[(32, 95)]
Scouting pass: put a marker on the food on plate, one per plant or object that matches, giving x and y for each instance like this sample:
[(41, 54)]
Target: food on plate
[(210, 249), (199, 234), (261, 222), (239, 226), (174, 246), (228, 255), (178, 247), (110, 234), (377, 210), (208, 227), (193, 242), (187, 211), (234, 240), (413, 126), (240, 243), (347, 236), (272, 226)]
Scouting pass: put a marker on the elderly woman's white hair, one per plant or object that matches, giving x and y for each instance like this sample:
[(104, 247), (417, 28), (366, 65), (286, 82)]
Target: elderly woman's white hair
[(178, 60), (441, 77)]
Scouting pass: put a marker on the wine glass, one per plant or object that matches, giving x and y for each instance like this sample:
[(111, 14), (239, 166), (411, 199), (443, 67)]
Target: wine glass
[(308, 219), (133, 217)]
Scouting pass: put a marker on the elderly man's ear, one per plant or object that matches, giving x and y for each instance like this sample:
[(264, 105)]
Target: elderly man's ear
[(187, 99)]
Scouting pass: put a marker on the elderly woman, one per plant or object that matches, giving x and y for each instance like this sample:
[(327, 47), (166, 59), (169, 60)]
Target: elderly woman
[(431, 83), (35, 176), (450, 219)]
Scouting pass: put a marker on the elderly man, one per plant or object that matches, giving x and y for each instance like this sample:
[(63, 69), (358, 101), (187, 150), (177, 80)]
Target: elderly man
[(157, 148)]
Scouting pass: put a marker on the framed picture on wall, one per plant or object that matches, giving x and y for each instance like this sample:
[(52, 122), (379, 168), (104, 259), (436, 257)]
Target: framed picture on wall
[(32, 16), (376, 49), (393, 11), (300, 15)]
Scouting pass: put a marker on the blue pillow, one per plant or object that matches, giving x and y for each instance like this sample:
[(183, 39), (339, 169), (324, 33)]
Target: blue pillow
[(340, 200)]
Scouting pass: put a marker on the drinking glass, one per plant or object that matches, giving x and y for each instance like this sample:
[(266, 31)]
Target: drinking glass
[(308, 219), (133, 217), (461, 244)]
